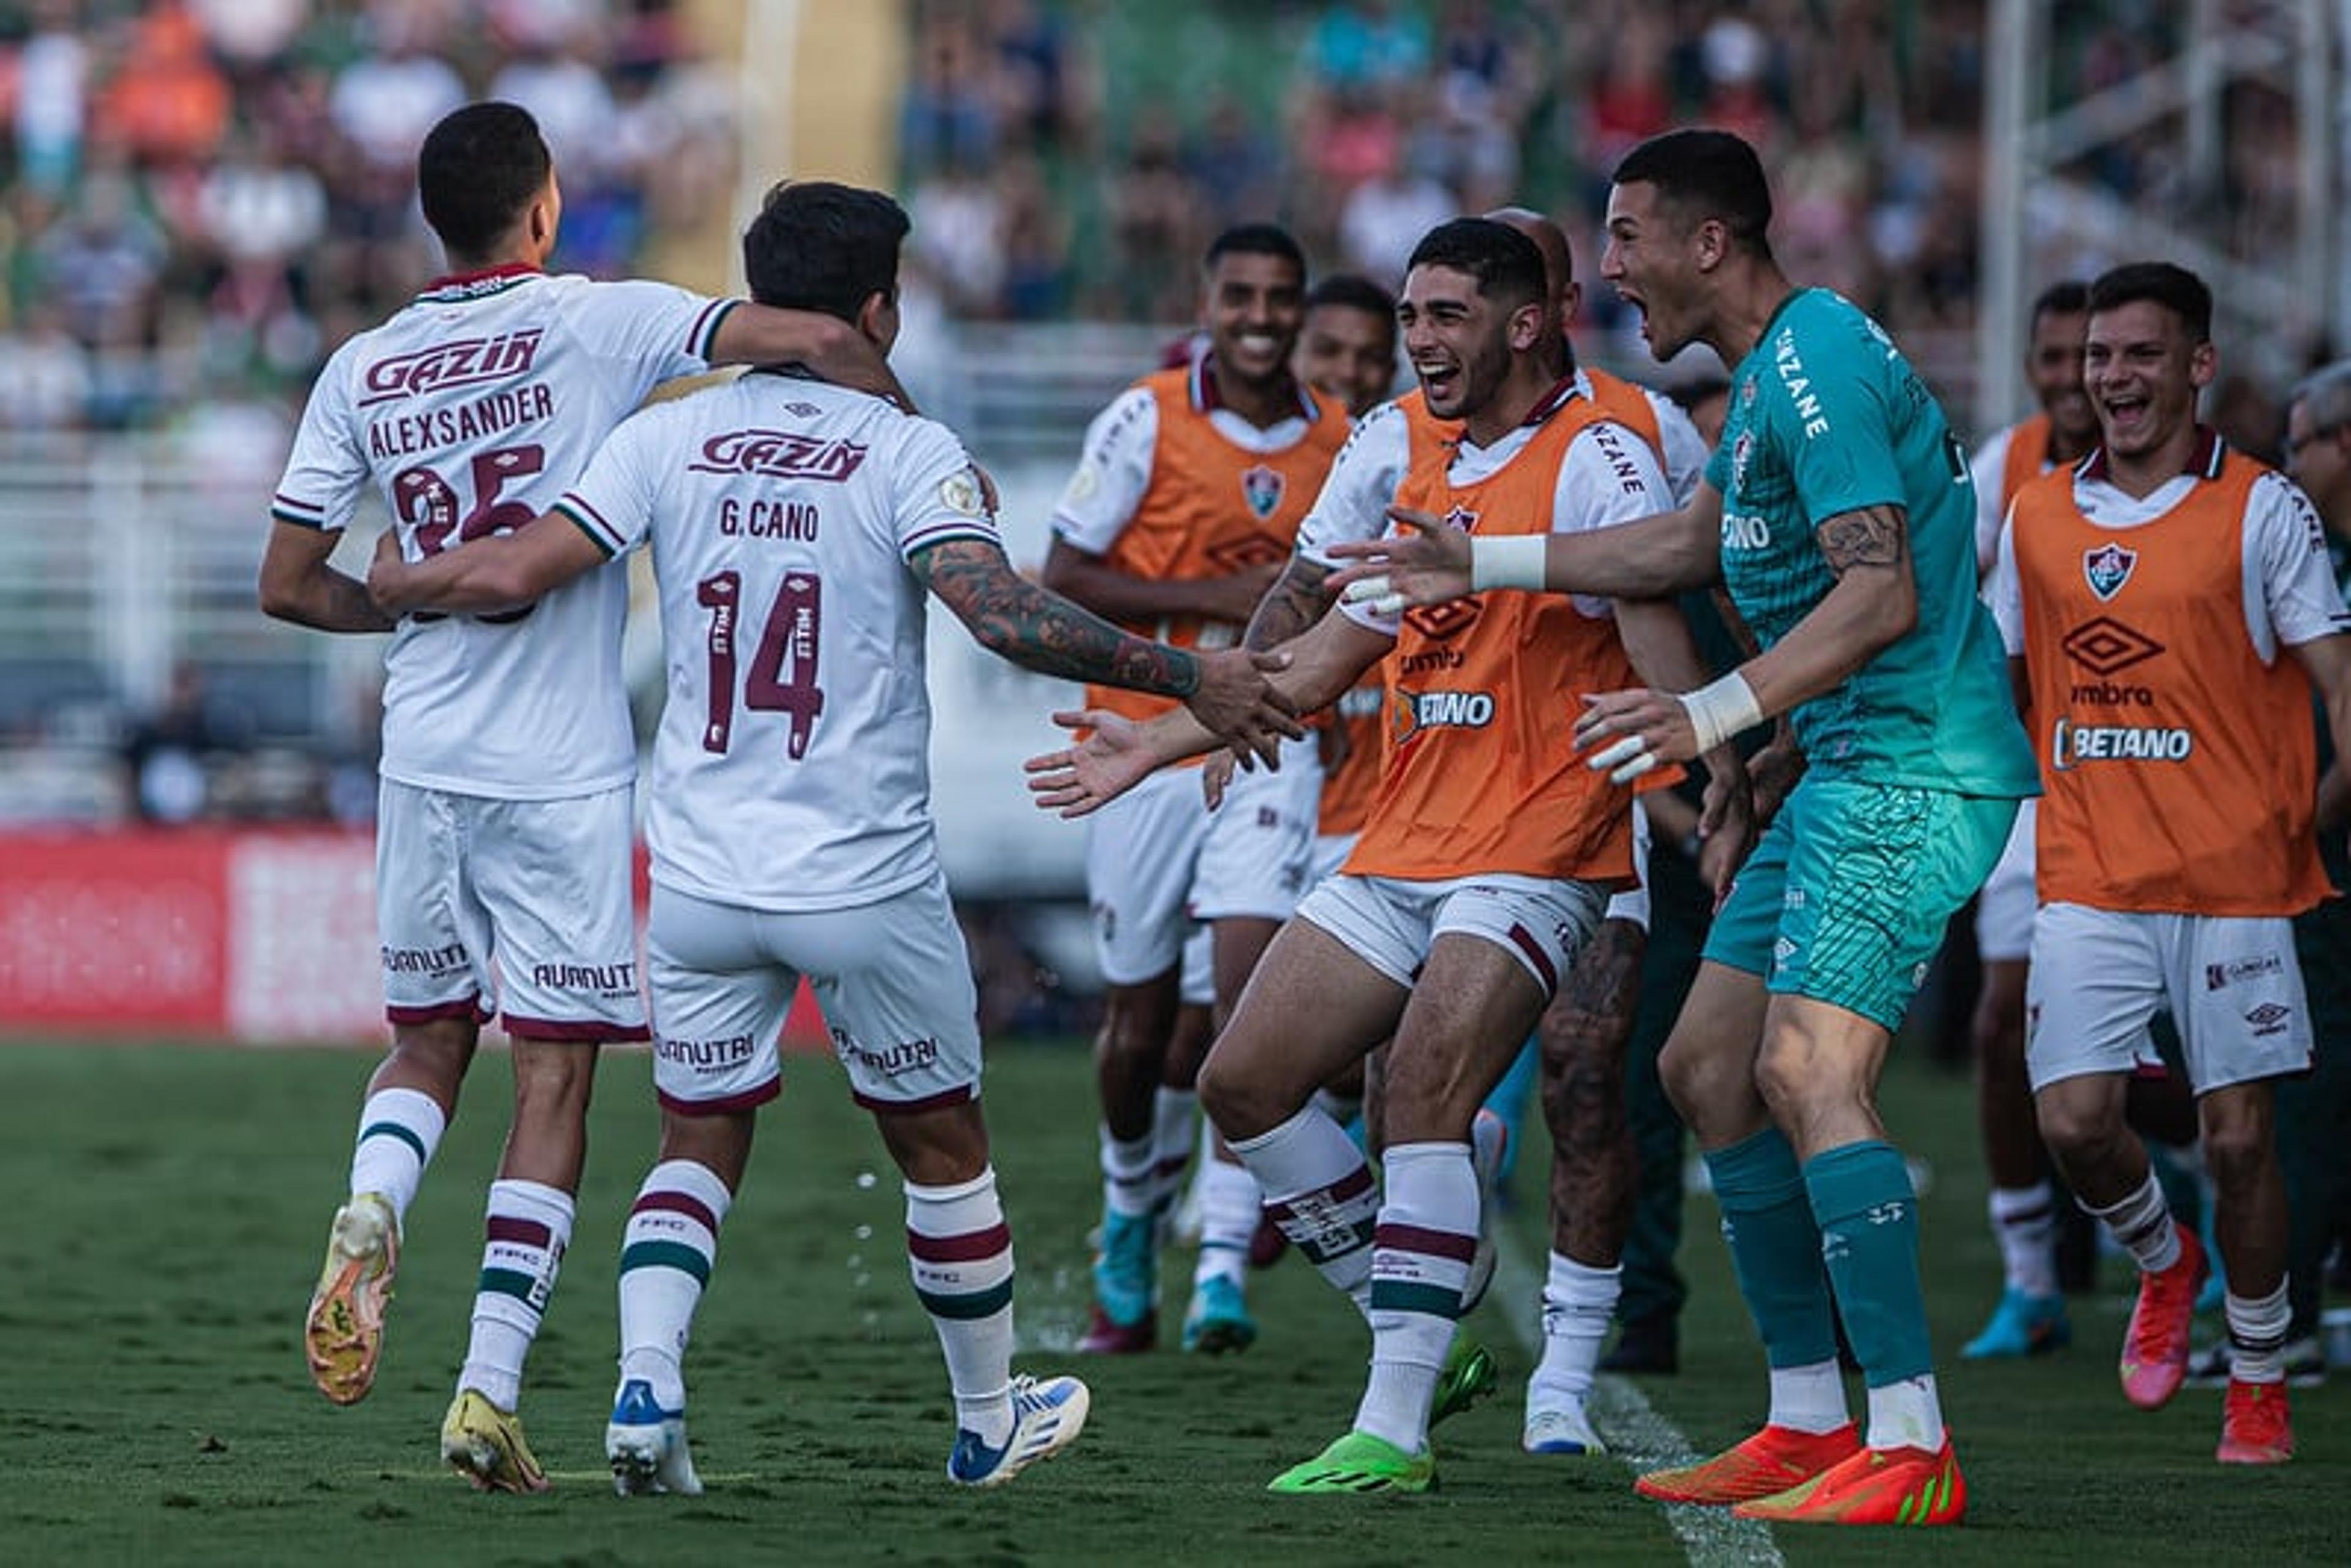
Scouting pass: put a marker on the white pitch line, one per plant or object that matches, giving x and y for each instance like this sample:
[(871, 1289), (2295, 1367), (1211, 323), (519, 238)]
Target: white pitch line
[(1636, 1435)]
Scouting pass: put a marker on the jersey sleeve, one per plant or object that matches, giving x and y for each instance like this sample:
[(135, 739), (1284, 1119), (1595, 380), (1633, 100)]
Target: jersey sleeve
[(1352, 504), (2290, 591), (327, 472), (1685, 451), (1101, 498), (1829, 414), (1609, 476), (612, 503), (936, 493), (2003, 591), (1988, 468), (660, 331)]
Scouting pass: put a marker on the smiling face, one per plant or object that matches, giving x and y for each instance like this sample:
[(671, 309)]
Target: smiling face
[(1252, 304), (1459, 340), (2142, 372), (1348, 353), (1653, 258), (2053, 364)]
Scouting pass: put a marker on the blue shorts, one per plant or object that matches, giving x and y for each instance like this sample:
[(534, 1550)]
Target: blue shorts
[(1846, 896)]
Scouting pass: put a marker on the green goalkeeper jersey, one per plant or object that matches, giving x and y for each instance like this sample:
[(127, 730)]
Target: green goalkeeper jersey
[(1827, 417)]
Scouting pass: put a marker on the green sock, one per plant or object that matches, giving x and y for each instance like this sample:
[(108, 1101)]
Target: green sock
[(1775, 1247), (1868, 1217)]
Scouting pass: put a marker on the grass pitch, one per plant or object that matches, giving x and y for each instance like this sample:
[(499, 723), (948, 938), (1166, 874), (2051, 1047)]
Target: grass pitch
[(166, 1210)]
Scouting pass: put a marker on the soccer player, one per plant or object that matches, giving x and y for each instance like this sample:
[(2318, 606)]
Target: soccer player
[(1485, 863), (795, 525), (1583, 1032), (1179, 514), (2031, 1316), (1838, 511), (2152, 595), (502, 839)]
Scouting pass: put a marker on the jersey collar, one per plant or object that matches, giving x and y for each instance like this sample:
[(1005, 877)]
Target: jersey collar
[(2204, 459), (1208, 399), (476, 284)]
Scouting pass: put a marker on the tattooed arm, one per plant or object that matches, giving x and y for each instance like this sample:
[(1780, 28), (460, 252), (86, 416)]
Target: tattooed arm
[(1297, 599), (1874, 603), (1038, 630)]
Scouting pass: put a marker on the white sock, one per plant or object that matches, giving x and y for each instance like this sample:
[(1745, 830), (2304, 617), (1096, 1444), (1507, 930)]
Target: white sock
[(1907, 1414), (1577, 1304), (1175, 1113), (399, 1129), (1420, 1268), (961, 1252), (668, 1248), (2257, 1335), (2024, 1223), (527, 1226), (1231, 1203), (1320, 1193), (2143, 1224), (1130, 1172), (1809, 1399)]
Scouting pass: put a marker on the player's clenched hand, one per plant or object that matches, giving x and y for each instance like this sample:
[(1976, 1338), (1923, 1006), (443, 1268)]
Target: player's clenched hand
[(1237, 704), (387, 574), (1635, 731), (1425, 561), (1082, 778)]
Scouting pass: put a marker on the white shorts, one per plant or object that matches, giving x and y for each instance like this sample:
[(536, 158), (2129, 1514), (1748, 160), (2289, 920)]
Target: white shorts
[(527, 901), (1197, 986), (2232, 984), (1632, 904), (2005, 908), (894, 981), (1391, 923), (1157, 858)]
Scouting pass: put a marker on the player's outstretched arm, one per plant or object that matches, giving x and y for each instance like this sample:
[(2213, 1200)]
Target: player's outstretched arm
[(1092, 582), (494, 574), (1428, 561), (1298, 598), (832, 348), (1014, 619), (1873, 602), (298, 585)]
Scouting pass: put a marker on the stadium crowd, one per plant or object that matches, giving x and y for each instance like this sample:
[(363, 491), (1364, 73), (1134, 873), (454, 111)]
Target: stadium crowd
[(203, 197)]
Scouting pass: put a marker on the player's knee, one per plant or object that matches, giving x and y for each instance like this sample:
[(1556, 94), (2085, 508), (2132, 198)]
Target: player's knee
[(2237, 1149), (1238, 1100), (553, 1076), (2082, 1131)]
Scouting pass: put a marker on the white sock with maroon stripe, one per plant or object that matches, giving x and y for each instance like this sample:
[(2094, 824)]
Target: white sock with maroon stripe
[(1322, 1195), (1420, 1267), (961, 1252), (2024, 1222), (399, 1129), (1231, 1202), (1129, 1170), (527, 1228), (667, 1250)]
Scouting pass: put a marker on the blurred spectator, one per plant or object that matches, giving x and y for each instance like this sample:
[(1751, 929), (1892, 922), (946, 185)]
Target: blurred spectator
[(45, 377), (166, 101), (1384, 216), (52, 82), (169, 756)]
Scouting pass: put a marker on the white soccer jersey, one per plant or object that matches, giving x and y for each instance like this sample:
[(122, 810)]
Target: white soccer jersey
[(469, 412), (1354, 503), (792, 770)]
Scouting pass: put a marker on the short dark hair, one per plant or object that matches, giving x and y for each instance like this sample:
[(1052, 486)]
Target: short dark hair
[(1704, 174), (1255, 239), (476, 174), (1352, 291), (2174, 288), (2068, 298), (1507, 266), (818, 246)]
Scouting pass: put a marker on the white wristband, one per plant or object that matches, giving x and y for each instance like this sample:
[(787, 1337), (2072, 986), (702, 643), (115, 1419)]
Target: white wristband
[(1721, 710), (1512, 561)]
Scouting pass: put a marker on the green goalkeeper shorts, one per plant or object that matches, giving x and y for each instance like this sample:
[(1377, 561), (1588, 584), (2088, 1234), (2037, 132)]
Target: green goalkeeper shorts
[(1847, 894)]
